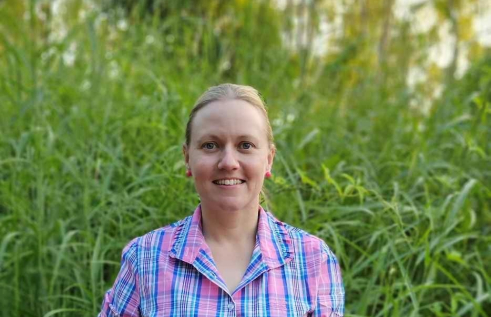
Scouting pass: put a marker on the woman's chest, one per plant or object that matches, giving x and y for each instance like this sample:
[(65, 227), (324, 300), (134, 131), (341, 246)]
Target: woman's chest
[(188, 292)]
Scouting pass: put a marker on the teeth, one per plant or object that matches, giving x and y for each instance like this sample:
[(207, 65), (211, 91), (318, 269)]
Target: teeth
[(228, 182)]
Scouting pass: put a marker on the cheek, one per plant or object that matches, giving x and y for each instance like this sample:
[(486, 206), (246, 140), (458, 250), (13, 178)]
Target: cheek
[(257, 165), (202, 166)]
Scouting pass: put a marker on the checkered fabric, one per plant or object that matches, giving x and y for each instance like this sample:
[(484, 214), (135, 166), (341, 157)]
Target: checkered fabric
[(170, 272)]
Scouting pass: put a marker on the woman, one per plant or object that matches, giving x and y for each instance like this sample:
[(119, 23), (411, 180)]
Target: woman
[(231, 257)]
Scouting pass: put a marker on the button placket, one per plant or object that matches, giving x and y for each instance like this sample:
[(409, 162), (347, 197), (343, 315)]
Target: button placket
[(231, 306)]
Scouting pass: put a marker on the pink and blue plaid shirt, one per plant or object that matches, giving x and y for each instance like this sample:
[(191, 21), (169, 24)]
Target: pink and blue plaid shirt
[(171, 272)]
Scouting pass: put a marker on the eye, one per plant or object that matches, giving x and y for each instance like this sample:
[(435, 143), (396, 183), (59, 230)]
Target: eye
[(246, 145), (209, 146)]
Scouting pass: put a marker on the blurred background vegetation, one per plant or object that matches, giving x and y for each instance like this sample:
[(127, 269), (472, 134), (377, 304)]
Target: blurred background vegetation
[(381, 114)]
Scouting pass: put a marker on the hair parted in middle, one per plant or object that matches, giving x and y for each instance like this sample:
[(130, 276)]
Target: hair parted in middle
[(229, 92)]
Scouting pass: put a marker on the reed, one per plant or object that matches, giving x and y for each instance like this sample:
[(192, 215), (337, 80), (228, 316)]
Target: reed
[(92, 123)]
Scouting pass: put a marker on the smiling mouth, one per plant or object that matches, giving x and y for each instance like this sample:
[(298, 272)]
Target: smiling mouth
[(228, 182)]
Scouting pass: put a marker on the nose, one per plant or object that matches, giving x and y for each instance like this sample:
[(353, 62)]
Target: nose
[(228, 160)]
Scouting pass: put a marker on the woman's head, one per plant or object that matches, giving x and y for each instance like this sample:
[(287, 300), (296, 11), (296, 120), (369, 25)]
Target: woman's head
[(230, 91), (229, 147)]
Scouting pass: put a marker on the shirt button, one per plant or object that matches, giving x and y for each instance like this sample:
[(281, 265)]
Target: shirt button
[(230, 306)]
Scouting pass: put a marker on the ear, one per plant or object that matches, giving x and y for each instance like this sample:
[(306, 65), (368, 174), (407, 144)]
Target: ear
[(271, 155), (185, 152)]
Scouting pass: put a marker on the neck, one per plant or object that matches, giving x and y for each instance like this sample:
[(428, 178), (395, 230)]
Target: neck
[(230, 227)]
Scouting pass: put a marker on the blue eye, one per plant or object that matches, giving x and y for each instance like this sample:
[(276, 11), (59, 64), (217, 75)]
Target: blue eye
[(209, 146), (246, 145)]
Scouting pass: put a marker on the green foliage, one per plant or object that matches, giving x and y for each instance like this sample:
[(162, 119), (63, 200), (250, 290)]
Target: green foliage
[(92, 123)]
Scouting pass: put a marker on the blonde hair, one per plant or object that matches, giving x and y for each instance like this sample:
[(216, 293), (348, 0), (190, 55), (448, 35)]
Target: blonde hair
[(230, 92)]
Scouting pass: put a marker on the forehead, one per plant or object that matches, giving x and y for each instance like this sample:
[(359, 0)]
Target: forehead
[(229, 118)]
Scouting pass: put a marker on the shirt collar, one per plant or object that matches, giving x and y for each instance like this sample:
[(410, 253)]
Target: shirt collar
[(274, 240)]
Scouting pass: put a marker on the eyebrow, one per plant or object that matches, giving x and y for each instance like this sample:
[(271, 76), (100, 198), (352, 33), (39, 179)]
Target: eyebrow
[(216, 137)]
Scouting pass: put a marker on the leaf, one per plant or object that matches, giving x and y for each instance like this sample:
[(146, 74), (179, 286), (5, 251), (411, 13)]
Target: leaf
[(308, 138), (459, 202), (348, 177), (330, 180), (306, 180)]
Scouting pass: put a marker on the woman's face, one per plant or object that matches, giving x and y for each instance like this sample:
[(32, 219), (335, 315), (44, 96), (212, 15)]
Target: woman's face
[(229, 154)]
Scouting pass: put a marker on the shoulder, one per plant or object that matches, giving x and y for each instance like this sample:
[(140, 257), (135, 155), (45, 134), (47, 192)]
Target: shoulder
[(154, 243), (307, 246)]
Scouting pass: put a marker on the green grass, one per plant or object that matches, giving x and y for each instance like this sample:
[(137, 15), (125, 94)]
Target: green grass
[(90, 155)]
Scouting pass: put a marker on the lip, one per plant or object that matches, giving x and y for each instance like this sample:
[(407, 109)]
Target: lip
[(228, 178)]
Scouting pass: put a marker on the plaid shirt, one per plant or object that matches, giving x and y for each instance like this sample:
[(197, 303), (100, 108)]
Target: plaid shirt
[(171, 272)]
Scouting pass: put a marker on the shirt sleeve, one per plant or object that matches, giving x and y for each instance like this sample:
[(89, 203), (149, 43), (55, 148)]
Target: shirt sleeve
[(123, 299), (330, 297)]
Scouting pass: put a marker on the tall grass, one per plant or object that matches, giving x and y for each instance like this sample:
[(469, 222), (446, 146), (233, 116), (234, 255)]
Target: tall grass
[(92, 124)]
